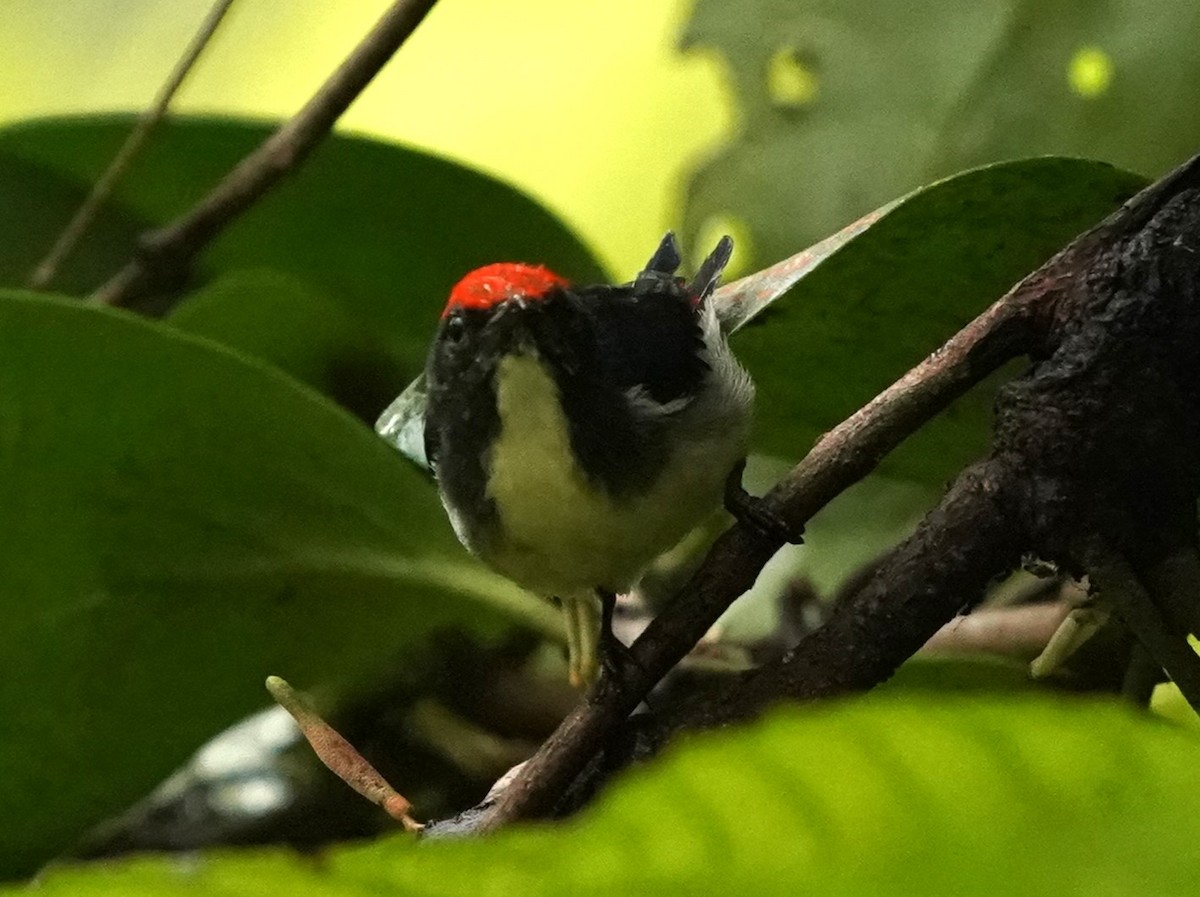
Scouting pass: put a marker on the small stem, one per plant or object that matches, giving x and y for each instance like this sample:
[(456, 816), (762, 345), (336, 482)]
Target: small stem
[(340, 756), (1120, 584), (166, 253), (1141, 677), (1175, 584), (47, 269), (1087, 617)]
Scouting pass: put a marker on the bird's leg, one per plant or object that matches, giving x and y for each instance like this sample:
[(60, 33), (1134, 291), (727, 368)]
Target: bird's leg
[(752, 511), (580, 613), (608, 606), (615, 656), (612, 649)]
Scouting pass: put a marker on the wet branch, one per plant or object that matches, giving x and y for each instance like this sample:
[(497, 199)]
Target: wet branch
[(1067, 450)]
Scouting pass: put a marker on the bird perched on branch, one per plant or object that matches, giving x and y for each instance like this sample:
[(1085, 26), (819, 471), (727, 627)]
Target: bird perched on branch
[(577, 432)]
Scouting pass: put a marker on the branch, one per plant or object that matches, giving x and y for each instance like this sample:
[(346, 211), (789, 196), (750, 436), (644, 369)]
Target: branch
[(340, 757), (1100, 436), (979, 524), (165, 254), (1115, 578), (940, 570), (45, 272)]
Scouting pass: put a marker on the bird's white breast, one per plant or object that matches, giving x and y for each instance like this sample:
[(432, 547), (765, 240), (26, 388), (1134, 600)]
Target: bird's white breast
[(559, 533)]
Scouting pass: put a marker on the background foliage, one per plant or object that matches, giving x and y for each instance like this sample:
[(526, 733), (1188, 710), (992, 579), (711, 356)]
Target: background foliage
[(190, 506), (936, 795), (845, 105)]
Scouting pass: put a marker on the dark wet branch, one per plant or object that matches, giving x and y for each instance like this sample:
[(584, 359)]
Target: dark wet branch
[(1098, 430), (1100, 436)]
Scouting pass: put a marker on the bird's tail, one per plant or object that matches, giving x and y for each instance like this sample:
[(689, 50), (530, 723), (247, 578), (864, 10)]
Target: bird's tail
[(659, 272)]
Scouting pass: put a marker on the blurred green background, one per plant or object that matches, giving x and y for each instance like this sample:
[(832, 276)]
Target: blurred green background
[(588, 107), (154, 574), (619, 116)]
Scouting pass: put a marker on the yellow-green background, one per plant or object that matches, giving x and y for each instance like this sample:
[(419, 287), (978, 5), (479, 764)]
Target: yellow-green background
[(586, 106)]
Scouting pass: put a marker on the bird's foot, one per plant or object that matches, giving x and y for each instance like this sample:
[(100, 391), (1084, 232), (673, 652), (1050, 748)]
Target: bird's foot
[(754, 512), (616, 658)]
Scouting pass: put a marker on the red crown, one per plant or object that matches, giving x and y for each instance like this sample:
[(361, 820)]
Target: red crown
[(487, 286)]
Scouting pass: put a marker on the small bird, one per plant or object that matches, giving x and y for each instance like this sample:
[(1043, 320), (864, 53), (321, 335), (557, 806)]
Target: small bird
[(577, 432)]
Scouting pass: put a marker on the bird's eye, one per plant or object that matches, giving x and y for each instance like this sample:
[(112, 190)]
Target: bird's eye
[(455, 329)]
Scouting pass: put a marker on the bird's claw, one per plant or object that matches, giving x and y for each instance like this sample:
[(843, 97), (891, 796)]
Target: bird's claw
[(616, 658), (753, 511)]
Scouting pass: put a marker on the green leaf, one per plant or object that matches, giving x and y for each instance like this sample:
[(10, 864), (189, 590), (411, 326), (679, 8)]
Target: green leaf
[(878, 797), (845, 105), (275, 317), (37, 203), (1168, 701), (380, 230), (872, 303), (965, 673), (178, 523)]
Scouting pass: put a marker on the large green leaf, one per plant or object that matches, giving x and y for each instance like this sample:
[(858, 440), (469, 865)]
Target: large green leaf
[(846, 104), (278, 318), (380, 229), (872, 303), (35, 205), (337, 276), (178, 522), (877, 797)]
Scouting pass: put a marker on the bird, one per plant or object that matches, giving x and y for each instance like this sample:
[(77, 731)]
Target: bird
[(578, 432)]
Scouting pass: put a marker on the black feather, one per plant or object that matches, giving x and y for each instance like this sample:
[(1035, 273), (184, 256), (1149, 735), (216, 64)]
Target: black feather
[(630, 342), (666, 258), (709, 275), (659, 273), (602, 344)]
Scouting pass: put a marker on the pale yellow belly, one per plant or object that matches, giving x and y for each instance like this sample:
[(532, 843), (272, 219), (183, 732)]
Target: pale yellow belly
[(560, 534)]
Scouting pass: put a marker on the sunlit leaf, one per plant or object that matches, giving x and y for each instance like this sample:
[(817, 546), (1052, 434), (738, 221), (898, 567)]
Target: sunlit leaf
[(926, 796)]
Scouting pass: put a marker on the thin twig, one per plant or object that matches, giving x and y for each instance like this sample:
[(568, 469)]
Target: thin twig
[(165, 254), (1141, 677), (1174, 581), (340, 756), (46, 271), (1119, 583)]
